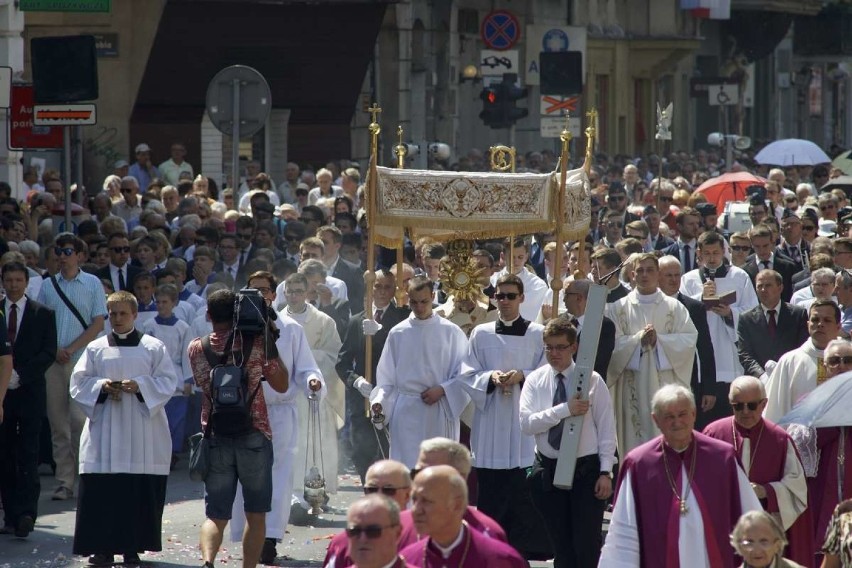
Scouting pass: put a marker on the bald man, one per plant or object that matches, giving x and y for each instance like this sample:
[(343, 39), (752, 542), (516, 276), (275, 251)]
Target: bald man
[(391, 479), (439, 500), (373, 530), (769, 458)]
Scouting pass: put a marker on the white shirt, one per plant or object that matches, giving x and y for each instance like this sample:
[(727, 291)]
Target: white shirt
[(777, 310), (15, 381), (113, 276), (538, 415)]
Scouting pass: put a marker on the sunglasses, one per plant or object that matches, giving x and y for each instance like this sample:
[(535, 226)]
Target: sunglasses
[(389, 491), (737, 248), (808, 228), (837, 360), (119, 250), (67, 251), (126, 189), (506, 296), (370, 531), (739, 406)]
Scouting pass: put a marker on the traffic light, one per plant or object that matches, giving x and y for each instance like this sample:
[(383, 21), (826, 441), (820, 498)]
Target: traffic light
[(499, 103)]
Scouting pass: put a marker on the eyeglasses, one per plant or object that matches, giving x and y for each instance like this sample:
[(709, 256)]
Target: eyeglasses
[(739, 406), (370, 531), (506, 296), (389, 491), (558, 347), (263, 290), (739, 248), (293, 291), (67, 251), (762, 543), (119, 250), (809, 228), (836, 360)]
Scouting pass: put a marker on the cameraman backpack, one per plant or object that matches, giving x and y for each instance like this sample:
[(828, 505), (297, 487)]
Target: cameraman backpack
[(230, 413)]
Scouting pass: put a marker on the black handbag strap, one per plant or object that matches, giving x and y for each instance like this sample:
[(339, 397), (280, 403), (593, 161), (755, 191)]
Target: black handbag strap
[(214, 359), (68, 303)]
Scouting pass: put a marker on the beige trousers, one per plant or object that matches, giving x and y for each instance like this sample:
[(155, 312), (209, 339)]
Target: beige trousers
[(66, 423)]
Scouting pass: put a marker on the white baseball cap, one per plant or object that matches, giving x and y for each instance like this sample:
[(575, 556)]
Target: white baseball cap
[(143, 148)]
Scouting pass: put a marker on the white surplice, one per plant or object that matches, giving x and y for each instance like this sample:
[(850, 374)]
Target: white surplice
[(496, 440), (295, 352), (125, 435), (636, 373), (622, 546), (536, 292), (794, 377), (791, 491), (418, 355), (724, 336), (325, 344), (176, 338)]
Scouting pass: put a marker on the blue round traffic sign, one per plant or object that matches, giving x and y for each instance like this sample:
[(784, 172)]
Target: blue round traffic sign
[(555, 40), (500, 30)]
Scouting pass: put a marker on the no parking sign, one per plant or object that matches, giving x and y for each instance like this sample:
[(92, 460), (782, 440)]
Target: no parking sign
[(500, 30)]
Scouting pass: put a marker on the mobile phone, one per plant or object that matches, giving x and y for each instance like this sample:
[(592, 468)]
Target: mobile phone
[(115, 384)]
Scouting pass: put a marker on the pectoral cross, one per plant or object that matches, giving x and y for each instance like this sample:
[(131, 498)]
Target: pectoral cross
[(683, 508)]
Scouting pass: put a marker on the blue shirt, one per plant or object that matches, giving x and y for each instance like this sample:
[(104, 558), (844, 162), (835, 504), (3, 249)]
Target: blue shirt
[(142, 176), (86, 293), (846, 319)]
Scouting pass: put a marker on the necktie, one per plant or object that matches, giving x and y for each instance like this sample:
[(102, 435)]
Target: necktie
[(576, 323), (243, 258), (554, 435), (122, 284), (13, 322), (765, 264), (687, 259), (378, 317), (773, 323), (796, 254)]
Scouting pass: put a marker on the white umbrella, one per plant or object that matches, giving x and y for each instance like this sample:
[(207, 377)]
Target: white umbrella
[(792, 152), (827, 405)]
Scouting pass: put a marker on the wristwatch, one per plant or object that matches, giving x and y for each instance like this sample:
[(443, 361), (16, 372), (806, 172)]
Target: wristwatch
[(607, 474)]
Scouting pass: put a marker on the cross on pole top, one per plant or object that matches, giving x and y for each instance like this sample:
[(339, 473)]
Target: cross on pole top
[(375, 110)]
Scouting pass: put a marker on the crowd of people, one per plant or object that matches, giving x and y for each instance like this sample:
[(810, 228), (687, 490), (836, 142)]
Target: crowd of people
[(122, 335)]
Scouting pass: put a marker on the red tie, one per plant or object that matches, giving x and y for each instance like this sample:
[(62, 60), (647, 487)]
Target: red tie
[(378, 317), (773, 324), (13, 322)]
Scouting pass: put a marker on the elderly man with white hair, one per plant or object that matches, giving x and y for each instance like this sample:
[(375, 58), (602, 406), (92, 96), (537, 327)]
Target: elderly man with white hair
[(821, 287), (678, 496), (768, 456)]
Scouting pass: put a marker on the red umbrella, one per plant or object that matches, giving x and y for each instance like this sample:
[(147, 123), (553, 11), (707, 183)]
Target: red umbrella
[(728, 187)]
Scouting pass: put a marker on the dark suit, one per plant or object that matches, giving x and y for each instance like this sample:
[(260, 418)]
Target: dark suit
[(754, 344), (787, 251), (705, 384), (606, 346), (24, 408), (354, 280), (663, 242), (338, 310), (674, 250), (616, 293), (783, 266), (351, 364), (131, 273)]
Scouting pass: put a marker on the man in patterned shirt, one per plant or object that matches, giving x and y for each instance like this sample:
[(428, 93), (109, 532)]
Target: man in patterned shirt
[(251, 452)]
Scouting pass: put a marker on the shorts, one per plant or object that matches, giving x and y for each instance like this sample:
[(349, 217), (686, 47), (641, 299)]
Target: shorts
[(247, 459)]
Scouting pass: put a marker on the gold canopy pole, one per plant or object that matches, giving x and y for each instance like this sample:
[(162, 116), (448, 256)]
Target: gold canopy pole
[(401, 152), (591, 134), (503, 160), (556, 280), (370, 276)]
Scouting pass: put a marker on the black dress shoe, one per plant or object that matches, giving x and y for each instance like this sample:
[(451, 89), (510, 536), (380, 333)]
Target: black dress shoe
[(268, 554), (7, 529), (132, 559), (25, 526), (101, 560)]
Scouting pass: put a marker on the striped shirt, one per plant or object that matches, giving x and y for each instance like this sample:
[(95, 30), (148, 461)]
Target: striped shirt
[(86, 293)]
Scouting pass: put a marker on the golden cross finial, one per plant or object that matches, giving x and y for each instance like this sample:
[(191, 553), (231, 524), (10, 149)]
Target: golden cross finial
[(592, 114), (375, 110), (399, 132), (566, 136)]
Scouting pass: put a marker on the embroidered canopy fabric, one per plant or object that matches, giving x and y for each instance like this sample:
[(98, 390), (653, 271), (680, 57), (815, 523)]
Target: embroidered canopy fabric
[(474, 205)]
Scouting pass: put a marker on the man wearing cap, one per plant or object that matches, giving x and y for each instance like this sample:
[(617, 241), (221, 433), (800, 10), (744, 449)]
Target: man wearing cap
[(120, 168), (301, 201), (143, 170), (792, 243), (172, 168), (658, 240), (709, 216)]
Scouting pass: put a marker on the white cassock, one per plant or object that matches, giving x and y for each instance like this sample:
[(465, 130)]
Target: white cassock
[(636, 373), (418, 355), (125, 435), (621, 549), (536, 292), (794, 377), (176, 338), (325, 345), (295, 352), (336, 285), (724, 336), (496, 440)]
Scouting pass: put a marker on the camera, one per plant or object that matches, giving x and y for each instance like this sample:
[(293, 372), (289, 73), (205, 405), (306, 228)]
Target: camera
[(252, 317)]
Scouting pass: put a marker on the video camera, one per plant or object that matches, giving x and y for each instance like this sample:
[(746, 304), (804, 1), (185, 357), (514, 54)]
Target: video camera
[(252, 317)]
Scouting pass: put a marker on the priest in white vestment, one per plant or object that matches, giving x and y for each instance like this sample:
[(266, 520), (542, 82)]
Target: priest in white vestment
[(536, 290), (655, 342), (324, 341), (715, 278), (295, 353), (417, 381), (800, 371), (122, 382)]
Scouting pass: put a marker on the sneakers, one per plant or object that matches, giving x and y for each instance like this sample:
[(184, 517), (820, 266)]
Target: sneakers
[(25, 526), (101, 560), (268, 554), (63, 494)]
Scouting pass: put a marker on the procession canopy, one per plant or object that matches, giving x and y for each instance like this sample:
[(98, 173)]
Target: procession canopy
[(476, 205)]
